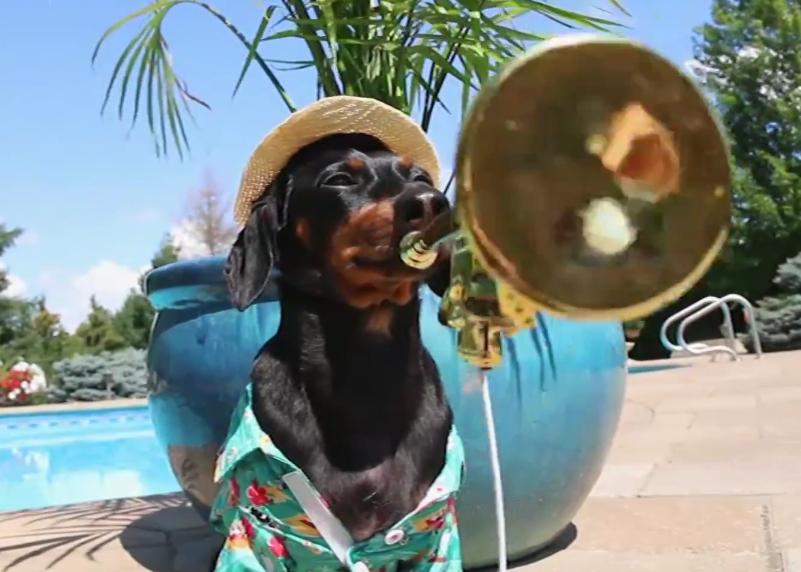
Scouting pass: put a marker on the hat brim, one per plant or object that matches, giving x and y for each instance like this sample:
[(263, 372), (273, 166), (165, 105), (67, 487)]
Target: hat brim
[(331, 116)]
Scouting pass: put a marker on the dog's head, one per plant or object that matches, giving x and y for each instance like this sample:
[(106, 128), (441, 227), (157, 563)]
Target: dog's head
[(333, 219)]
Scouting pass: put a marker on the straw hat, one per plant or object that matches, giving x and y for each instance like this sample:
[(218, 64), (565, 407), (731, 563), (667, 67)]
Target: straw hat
[(330, 116)]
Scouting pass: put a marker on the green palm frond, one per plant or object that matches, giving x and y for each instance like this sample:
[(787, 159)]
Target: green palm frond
[(402, 52)]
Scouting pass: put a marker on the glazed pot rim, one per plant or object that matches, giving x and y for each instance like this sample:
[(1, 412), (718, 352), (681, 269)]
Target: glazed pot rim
[(192, 283)]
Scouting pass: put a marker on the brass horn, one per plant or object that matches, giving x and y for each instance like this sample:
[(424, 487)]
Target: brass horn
[(592, 181)]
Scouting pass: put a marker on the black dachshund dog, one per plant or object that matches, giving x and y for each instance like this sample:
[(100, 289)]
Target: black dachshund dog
[(345, 388)]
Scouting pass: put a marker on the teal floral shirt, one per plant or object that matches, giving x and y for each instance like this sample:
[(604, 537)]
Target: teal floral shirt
[(260, 509)]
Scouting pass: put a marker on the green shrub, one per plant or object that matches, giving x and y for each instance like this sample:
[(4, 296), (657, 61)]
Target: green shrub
[(97, 377), (778, 317)]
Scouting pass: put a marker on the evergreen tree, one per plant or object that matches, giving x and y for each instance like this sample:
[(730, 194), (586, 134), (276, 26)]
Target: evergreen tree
[(16, 319), (166, 254), (15, 314), (98, 377), (747, 60), (97, 333), (778, 317), (28, 330), (7, 238), (41, 339), (133, 320)]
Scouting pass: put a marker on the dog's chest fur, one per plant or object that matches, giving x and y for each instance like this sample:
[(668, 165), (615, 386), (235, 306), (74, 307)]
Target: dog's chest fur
[(359, 409)]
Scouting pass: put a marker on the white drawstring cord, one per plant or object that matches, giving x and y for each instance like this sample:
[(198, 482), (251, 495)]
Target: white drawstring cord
[(495, 464)]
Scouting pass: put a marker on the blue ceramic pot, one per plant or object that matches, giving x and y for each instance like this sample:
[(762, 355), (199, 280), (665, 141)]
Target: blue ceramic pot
[(557, 399)]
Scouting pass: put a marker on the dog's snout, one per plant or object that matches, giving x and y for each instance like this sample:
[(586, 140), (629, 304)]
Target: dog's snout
[(418, 209)]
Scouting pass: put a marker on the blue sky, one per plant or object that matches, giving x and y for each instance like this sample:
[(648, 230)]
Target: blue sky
[(93, 198)]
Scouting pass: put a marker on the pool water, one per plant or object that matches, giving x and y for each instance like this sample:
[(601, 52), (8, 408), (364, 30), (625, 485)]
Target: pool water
[(49, 459), (649, 368)]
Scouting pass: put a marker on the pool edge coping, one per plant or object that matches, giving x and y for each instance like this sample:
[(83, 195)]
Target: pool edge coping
[(73, 406)]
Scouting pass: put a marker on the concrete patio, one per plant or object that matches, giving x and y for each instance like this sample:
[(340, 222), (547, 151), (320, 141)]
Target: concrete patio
[(704, 475)]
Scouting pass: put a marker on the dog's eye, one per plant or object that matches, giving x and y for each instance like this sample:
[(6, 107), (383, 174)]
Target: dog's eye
[(339, 180), (423, 178)]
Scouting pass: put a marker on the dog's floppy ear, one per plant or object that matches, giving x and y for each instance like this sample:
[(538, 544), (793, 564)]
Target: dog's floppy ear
[(247, 270)]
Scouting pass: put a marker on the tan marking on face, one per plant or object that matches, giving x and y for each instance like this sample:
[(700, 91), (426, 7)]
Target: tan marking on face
[(356, 164), (406, 162), (379, 320), (303, 233), (367, 234)]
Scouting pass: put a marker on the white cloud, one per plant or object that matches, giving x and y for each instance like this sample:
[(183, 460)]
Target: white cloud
[(16, 286), (108, 281), (185, 238), (68, 296)]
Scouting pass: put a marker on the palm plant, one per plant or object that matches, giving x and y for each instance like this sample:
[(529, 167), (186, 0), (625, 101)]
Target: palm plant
[(402, 52)]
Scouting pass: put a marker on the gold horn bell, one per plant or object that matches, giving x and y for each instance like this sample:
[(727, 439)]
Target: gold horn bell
[(593, 182)]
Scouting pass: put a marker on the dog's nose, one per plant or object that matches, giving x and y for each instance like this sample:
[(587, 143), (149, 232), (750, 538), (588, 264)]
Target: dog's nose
[(416, 210)]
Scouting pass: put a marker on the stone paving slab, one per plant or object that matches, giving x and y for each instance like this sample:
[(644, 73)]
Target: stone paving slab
[(605, 561), (160, 533), (704, 476), (786, 512), (673, 525)]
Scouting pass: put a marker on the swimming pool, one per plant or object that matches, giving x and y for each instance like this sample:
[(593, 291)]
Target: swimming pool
[(647, 368), (49, 459)]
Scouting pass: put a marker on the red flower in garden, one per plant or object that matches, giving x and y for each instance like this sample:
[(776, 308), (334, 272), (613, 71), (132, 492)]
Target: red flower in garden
[(14, 386), (278, 547)]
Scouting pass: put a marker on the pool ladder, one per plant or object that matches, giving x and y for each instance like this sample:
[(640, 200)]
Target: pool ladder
[(698, 310)]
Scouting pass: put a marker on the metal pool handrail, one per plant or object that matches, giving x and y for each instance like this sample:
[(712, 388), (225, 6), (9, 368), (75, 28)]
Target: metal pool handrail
[(694, 312), (688, 310), (722, 303)]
